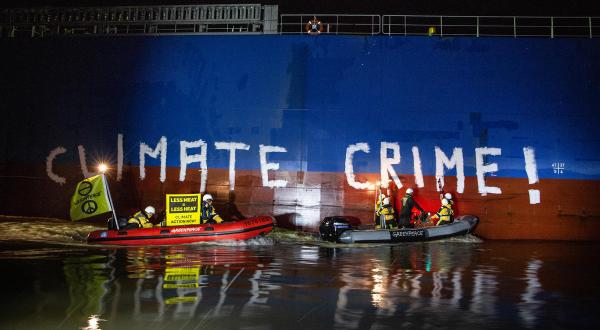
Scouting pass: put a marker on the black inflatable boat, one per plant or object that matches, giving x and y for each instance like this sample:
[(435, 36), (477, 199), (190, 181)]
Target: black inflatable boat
[(338, 229)]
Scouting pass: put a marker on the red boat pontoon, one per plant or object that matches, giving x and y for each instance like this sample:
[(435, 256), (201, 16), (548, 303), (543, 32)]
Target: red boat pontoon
[(239, 230)]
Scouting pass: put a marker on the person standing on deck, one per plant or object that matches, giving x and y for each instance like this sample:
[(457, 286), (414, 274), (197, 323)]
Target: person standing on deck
[(386, 215), (408, 203)]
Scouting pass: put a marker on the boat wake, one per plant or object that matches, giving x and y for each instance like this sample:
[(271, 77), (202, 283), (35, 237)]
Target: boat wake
[(43, 230), (255, 241)]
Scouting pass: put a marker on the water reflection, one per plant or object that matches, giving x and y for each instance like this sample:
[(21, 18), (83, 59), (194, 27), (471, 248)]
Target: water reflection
[(185, 282), (530, 304), (87, 277), (297, 286), (402, 281), (484, 291), (93, 323)]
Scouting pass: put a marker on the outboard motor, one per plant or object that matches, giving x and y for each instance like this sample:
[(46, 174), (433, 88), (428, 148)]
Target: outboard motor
[(332, 227)]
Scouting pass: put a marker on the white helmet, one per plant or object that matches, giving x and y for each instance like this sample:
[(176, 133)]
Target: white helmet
[(150, 210), (448, 196), (444, 201), (207, 197), (386, 201), (409, 191)]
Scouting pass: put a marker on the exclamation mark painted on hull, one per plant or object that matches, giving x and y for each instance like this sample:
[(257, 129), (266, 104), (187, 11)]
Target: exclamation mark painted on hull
[(532, 174)]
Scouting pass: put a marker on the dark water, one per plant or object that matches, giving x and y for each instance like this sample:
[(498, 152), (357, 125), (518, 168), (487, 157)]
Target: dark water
[(292, 281)]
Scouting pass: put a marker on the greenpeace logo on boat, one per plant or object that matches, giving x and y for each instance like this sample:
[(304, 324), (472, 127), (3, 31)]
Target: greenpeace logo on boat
[(255, 222), (185, 230), (410, 233)]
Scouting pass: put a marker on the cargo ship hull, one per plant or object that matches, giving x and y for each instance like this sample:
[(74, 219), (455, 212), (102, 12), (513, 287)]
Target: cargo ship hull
[(303, 127)]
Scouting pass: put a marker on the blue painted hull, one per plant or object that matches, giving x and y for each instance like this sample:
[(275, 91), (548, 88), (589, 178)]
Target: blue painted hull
[(319, 110)]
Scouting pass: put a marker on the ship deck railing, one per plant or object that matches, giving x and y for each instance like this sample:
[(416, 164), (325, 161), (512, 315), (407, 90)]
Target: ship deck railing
[(446, 26), (265, 19), (502, 26), (139, 20)]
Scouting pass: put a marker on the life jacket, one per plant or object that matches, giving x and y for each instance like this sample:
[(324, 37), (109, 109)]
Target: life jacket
[(208, 214), (408, 203), (140, 219), (385, 217), (446, 214), (386, 212), (379, 202)]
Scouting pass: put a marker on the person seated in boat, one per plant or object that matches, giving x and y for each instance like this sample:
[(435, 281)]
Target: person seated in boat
[(207, 211), (444, 215), (141, 219), (386, 215), (408, 203)]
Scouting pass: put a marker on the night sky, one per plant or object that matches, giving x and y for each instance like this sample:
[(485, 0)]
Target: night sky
[(382, 7)]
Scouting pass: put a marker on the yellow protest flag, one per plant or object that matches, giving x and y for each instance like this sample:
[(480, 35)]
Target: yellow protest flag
[(91, 198)]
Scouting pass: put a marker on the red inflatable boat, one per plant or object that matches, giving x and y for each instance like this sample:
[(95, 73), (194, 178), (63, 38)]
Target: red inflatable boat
[(239, 230)]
